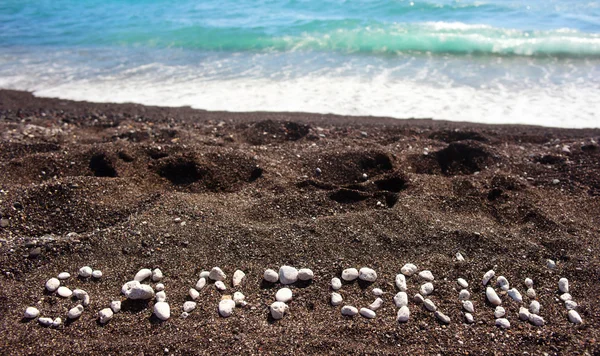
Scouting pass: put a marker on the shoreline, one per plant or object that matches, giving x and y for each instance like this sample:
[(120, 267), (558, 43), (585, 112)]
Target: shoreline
[(120, 187)]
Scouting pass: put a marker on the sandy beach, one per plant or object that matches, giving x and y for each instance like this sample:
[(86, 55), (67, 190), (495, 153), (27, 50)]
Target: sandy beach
[(120, 187)]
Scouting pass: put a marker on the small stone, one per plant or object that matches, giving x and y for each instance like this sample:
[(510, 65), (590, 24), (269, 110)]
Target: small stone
[(75, 312), (401, 299), (376, 304), (56, 323), (459, 257), (161, 296), (400, 282), (429, 305), (349, 274), (283, 295), (85, 272), (157, 275), (469, 318), (524, 313), (201, 283), (367, 313), (502, 282), (463, 283), (134, 290), (97, 274), (220, 286), (499, 312), (159, 287), (184, 315), (574, 317), (193, 294), (216, 274), (204, 274), (271, 276), (64, 292), (492, 297), (105, 315), (442, 317), (551, 264), (115, 306), (278, 310), (536, 320), (367, 274), (564, 297), (408, 269), (468, 306), (348, 310), (426, 289), (418, 298), (515, 295), (189, 306), (555, 181), (238, 276), (503, 323), (305, 274), (45, 321), (426, 275), (528, 282), (464, 295), (336, 299), (530, 293), (52, 284), (79, 293), (563, 285), (487, 276), (31, 313), (377, 292), (3, 222), (534, 307), (142, 275), (336, 284), (64, 275), (403, 314), (570, 305), (288, 275), (162, 310), (239, 298)]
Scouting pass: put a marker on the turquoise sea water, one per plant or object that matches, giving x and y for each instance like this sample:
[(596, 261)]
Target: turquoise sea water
[(496, 61)]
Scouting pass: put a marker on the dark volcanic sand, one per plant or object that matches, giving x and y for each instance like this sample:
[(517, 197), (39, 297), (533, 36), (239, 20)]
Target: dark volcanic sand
[(101, 185)]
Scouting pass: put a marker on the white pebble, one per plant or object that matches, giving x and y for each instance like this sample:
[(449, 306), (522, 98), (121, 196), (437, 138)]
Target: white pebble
[(45, 321), (142, 275), (442, 317), (31, 313), (288, 275), (85, 272), (528, 282), (135, 290), (184, 315), (463, 283), (161, 296), (469, 318), (401, 282), (459, 257), (367, 313), (64, 292), (502, 282), (551, 264), (305, 274), (56, 323), (193, 294), (492, 297), (278, 310), (220, 285), (515, 295), (403, 314), (204, 274), (418, 298), (574, 317), (564, 297), (283, 295), (189, 306), (79, 293), (367, 274), (336, 284), (524, 313), (464, 295), (105, 315), (536, 320), (115, 305), (426, 289), (239, 298), (499, 312), (64, 275), (238, 277), (349, 310), (376, 304), (534, 307), (570, 304), (468, 306), (401, 299), (408, 269), (216, 274), (336, 299), (162, 310), (157, 275), (97, 274), (487, 276), (349, 274), (226, 307), (201, 283), (52, 284), (75, 312), (159, 287), (429, 305), (503, 323), (426, 275), (271, 276), (377, 292), (563, 285), (530, 293)]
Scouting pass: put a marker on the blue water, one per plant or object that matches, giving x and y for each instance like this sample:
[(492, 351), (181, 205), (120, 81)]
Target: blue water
[(495, 61)]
